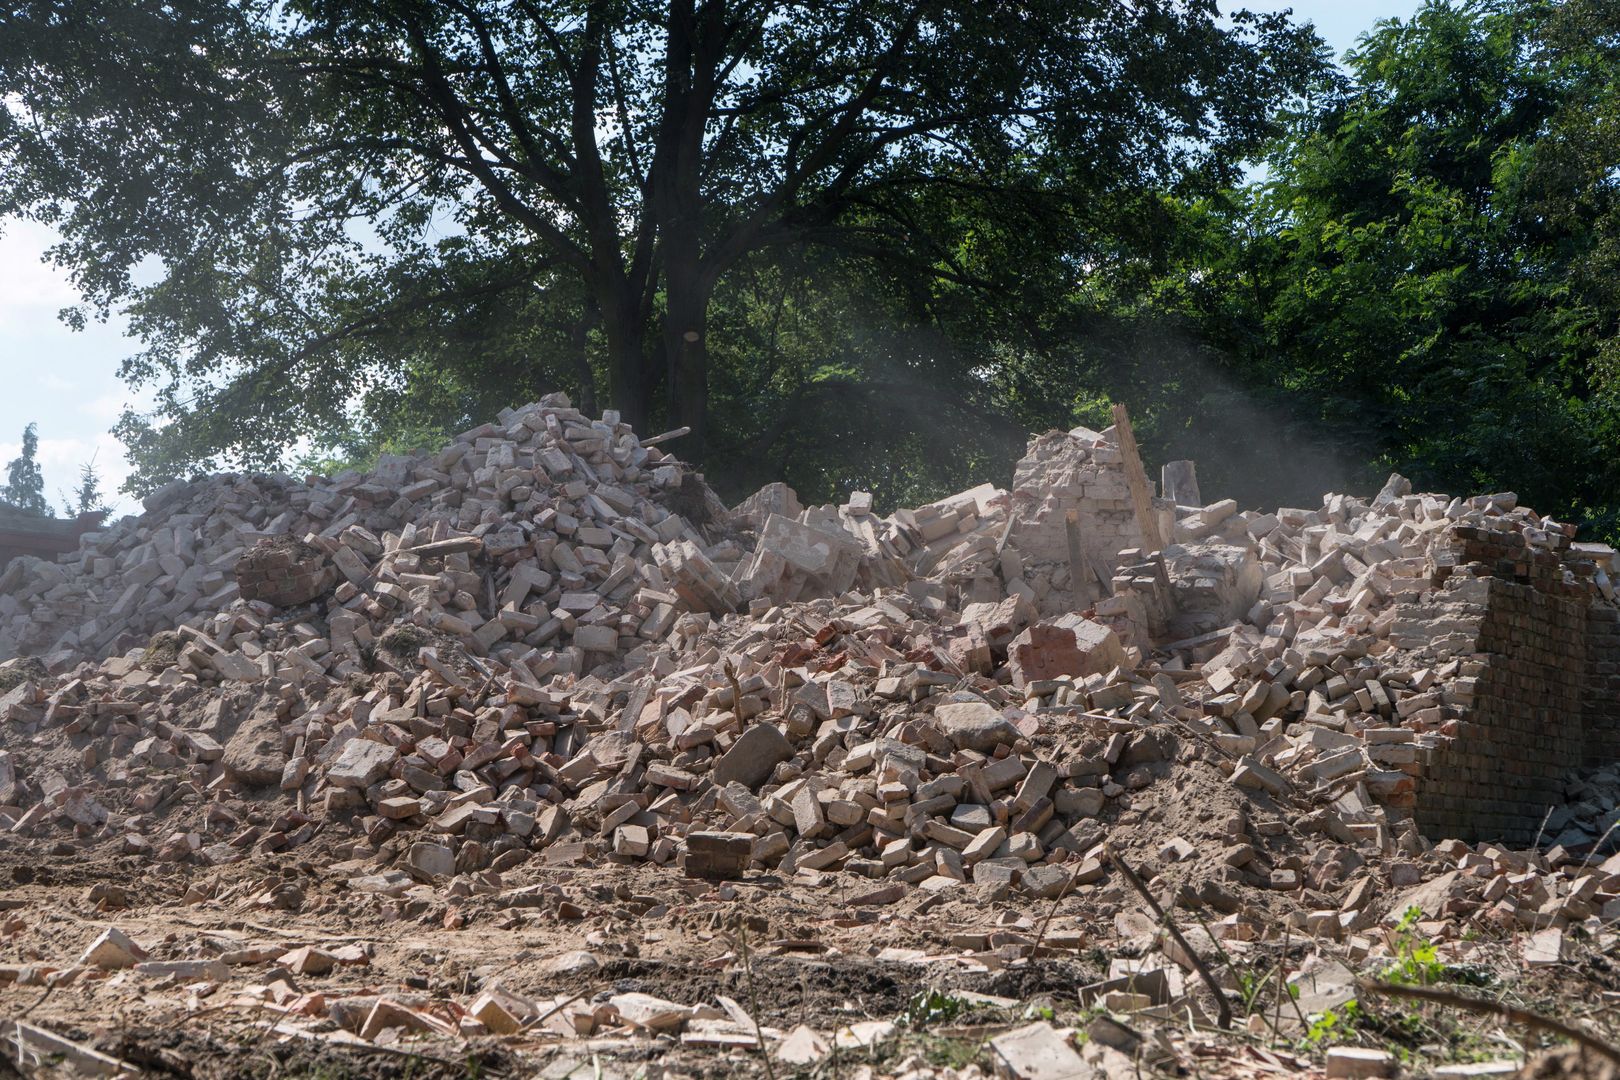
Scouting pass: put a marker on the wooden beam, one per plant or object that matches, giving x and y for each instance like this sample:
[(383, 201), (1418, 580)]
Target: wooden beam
[(1079, 571), (1136, 479)]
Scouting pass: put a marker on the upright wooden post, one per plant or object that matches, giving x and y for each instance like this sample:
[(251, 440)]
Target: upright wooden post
[(1079, 571), (1136, 479)]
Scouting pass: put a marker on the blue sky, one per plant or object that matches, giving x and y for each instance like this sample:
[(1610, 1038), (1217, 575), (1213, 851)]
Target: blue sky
[(67, 381)]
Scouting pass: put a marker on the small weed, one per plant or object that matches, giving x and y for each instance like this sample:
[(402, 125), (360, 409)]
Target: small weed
[(1417, 959), (162, 651), (1334, 1026), (23, 669), (932, 1007), (402, 641), (1252, 982)]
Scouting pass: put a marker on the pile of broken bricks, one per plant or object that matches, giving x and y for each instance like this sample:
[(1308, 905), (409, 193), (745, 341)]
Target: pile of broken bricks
[(518, 648)]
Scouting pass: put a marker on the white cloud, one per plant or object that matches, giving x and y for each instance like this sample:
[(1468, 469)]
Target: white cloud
[(64, 381), (106, 408), (29, 288)]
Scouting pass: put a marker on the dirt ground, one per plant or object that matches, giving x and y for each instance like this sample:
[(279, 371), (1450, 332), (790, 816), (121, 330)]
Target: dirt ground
[(811, 960), (788, 953)]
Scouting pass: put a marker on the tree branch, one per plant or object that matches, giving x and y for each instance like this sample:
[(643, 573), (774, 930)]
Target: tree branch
[(511, 112), (456, 117), (734, 246)]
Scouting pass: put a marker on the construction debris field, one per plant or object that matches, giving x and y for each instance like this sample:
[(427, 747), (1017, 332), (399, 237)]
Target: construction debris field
[(530, 757)]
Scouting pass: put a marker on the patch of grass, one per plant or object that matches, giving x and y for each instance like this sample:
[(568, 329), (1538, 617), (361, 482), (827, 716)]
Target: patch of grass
[(947, 1051), (402, 641), (162, 651), (938, 1049), (21, 670)]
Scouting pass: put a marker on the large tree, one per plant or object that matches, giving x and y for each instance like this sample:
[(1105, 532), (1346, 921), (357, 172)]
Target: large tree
[(1425, 280), (273, 189)]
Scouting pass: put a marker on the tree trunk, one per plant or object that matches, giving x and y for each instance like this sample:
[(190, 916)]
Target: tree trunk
[(627, 361), (579, 336), (687, 349)]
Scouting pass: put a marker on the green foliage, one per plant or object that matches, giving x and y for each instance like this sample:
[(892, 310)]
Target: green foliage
[(1334, 1026), (933, 1006), (853, 246), (333, 221), (25, 484), (86, 497), (1252, 983), (1417, 274), (1417, 959)]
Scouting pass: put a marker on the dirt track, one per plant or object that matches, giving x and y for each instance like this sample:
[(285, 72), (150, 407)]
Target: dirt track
[(647, 929)]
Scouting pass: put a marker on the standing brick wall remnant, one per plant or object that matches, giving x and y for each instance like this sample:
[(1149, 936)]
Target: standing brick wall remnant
[(1522, 731), (1543, 700), (1081, 471), (1600, 704)]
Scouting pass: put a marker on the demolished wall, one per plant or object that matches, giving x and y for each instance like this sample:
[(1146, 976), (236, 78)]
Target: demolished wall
[(520, 646), (1082, 473), (1543, 701)]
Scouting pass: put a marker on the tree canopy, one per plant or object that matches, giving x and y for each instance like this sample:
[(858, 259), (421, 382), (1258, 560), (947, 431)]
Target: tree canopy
[(1424, 275), (867, 244), (300, 204)]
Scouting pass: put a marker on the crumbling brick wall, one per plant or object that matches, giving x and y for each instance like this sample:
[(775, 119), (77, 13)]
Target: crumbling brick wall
[(1545, 699), (1082, 472), (1600, 691), (1523, 733)]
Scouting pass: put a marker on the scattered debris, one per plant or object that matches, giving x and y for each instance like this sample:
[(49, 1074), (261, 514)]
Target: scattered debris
[(1195, 731)]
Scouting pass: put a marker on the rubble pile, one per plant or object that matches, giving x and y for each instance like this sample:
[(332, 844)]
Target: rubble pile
[(550, 642), (517, 645)]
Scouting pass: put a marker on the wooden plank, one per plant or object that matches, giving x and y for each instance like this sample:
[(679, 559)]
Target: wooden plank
[(1136, 479), (1078, 570), (34, 1048)]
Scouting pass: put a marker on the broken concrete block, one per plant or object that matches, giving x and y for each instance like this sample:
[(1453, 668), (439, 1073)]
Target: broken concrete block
[(1359, 1063), (112, 950), (430, 860), (361, 764), (255, 755), (718, 854), (752, 757), (646, 1011), (1038, 1051), (975, 725)]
